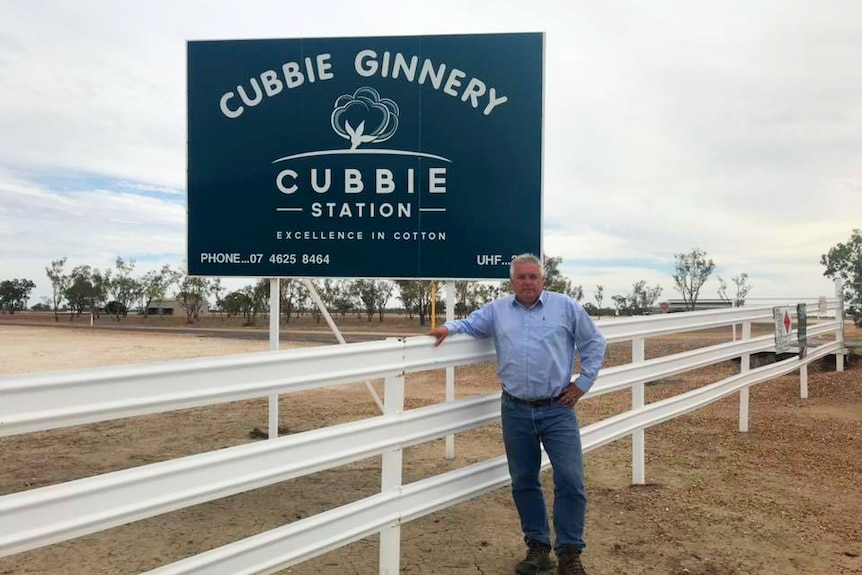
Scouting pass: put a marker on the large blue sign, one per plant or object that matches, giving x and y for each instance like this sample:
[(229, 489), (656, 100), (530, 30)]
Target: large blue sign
[(396, 157)]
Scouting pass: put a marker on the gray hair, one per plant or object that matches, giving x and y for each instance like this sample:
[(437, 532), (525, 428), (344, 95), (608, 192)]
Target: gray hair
[(523, 259)]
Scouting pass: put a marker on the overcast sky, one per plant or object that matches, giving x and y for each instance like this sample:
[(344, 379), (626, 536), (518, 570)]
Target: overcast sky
[(732, 126)]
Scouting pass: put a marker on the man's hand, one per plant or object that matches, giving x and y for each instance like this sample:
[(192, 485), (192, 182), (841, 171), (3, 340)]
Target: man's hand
[(571, 395), (440, 333)]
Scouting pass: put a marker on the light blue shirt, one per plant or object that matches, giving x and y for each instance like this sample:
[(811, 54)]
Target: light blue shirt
[(536, 346)]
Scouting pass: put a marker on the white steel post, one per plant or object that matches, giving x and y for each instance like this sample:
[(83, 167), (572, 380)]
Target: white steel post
[(733, 306), (390, 478), (274, 315), (744, 366), (839, 315), (803, 381), (803, 369), (638, 400), (450, 371)]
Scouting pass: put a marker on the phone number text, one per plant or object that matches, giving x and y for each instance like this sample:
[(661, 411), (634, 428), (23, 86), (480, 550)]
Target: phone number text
[(240, 258)]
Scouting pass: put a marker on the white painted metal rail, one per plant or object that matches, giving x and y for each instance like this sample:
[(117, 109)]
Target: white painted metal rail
[(38, 402)]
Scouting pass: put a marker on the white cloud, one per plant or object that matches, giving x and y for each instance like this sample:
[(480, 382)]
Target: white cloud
[(735, 126), (90, 227)]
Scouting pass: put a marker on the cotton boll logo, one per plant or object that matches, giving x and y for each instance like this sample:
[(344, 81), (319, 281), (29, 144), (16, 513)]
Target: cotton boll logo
[(364, 117)]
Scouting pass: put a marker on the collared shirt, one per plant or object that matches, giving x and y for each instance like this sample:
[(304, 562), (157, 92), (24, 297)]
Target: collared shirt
[(536, 346)]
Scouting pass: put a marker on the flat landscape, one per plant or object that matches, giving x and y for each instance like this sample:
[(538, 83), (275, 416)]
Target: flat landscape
[(784, 498)]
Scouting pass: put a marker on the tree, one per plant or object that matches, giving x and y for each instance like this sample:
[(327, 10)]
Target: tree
[(470, 296), (101, 284), (462, 297), (844, 261), (79, 292), (486, 294), (384, 292), (124, 287), (692, 271), (192, 294), (640, 301), (342, 297), (554, 279), (250, 301), (742, 289), (409, 295), (116, 308), (59, 283), (329, 291), (416, 296), (87, 290), (216, 288), (293, 297), (369, 293), (600, 296), (236, 303), (154, 286), (14, 294)]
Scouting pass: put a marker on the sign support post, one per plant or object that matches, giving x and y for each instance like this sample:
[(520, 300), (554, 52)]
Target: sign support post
[(450, 371), (274, 319)]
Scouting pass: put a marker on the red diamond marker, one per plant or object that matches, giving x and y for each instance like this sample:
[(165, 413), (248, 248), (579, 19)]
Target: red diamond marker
[(787, 322)]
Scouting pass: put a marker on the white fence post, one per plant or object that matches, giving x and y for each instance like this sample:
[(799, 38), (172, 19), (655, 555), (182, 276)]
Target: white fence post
[(638, 400), (803, 369), (450, 371), (274, 317), (390, 478), (839, 315), (732, 306), (744, 366)]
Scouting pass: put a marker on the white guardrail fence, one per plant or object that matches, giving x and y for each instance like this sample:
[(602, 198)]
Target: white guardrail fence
[(48, 515)]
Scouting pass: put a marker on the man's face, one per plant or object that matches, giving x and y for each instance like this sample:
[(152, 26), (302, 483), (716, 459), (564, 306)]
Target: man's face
[(527, 282)]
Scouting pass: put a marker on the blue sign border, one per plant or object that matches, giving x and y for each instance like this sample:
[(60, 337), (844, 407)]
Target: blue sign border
[(395, 157)]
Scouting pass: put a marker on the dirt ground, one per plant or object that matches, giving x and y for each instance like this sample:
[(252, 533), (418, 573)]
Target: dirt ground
[(784, 498)]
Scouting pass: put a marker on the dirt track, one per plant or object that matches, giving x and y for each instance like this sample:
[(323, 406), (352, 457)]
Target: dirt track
[(781, 499)]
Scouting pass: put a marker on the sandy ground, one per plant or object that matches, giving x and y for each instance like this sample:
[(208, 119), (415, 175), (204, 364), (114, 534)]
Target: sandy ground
[(784, 498)]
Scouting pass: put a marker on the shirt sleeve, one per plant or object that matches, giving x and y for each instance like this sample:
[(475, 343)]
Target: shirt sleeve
[(479, 324), (591, 347)]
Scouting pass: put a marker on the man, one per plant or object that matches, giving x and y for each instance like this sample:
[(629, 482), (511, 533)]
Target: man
[(535, 333)]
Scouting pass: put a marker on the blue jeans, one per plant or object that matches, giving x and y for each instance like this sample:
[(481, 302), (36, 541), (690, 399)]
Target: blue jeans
[(556, 427)]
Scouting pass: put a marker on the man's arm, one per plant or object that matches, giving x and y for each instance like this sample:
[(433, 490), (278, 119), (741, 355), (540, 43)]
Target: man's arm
[(478, 324), (591, 347)]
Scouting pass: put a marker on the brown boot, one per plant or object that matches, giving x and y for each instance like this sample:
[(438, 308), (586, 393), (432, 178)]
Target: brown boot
[(570, 561), (538, 559)]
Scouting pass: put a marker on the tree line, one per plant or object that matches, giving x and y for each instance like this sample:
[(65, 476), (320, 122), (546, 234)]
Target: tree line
[(117, 290)]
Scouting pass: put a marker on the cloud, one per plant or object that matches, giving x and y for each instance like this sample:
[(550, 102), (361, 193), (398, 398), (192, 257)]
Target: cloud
[(90, 226), (735, 127)]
